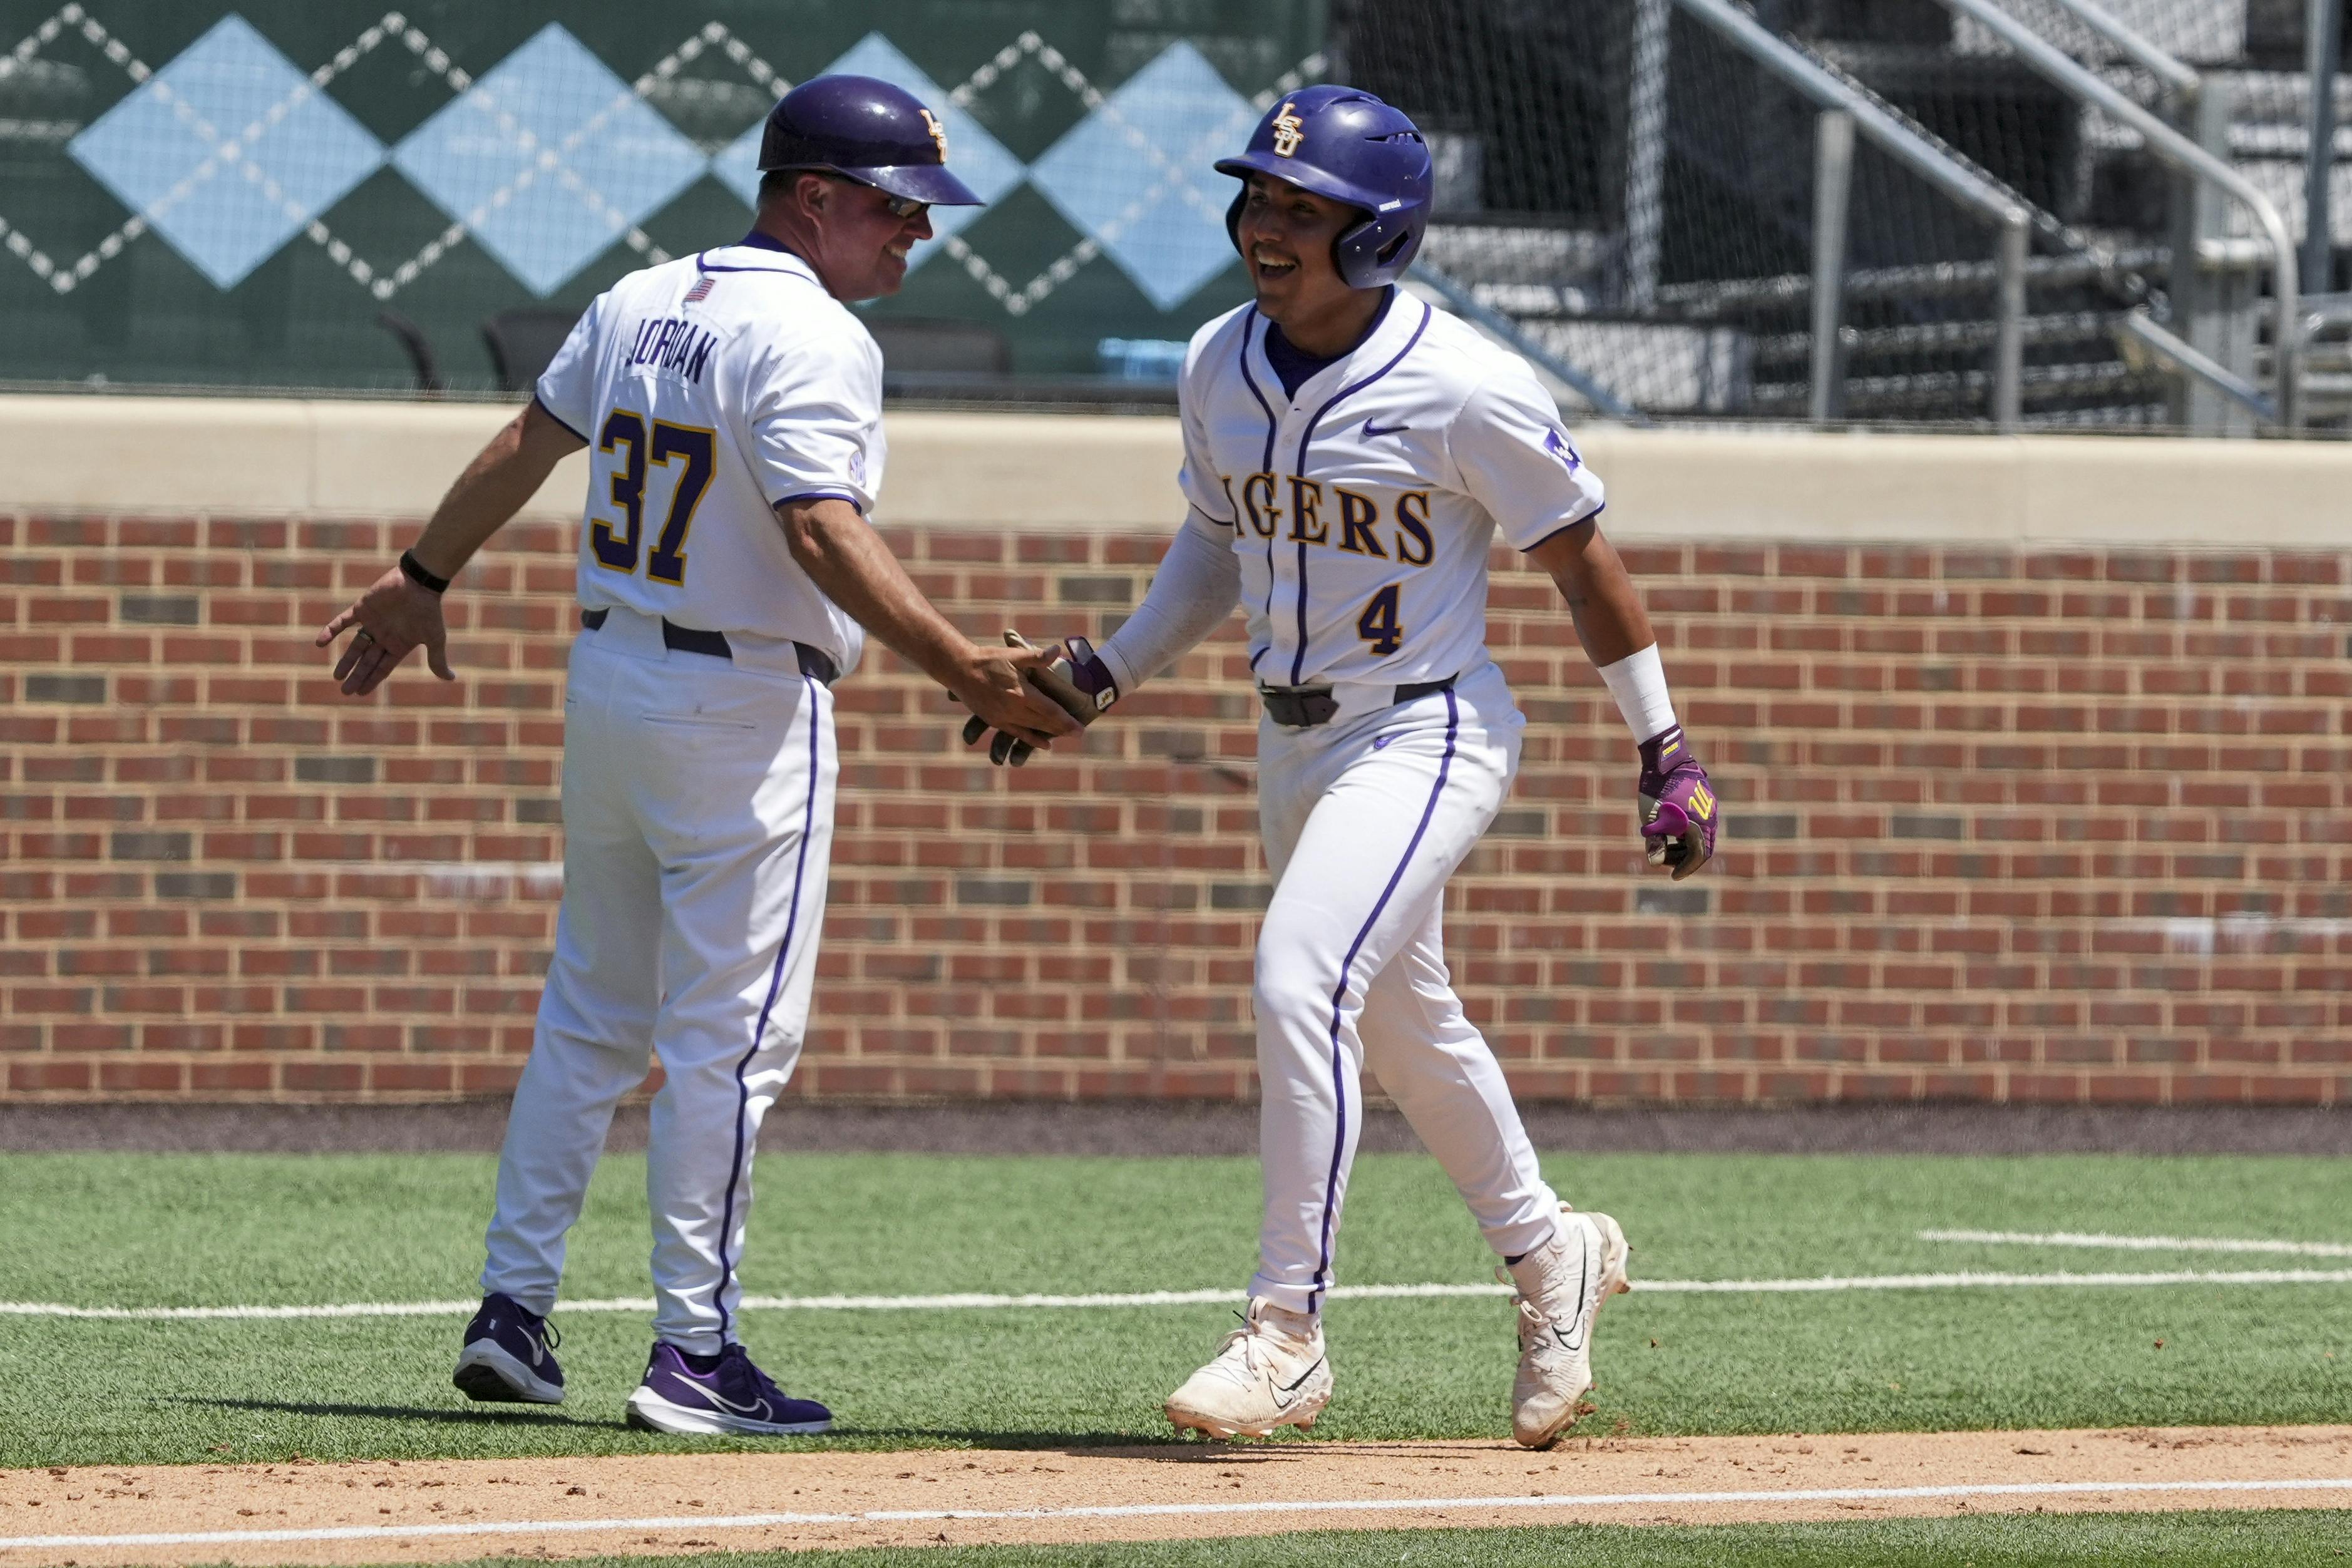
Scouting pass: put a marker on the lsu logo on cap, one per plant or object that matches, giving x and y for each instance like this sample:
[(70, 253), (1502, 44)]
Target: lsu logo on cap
[(939, 133), (1289, 130)]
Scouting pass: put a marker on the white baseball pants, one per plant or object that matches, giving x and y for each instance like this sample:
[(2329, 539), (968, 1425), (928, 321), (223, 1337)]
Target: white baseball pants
[(698, 815), (1365, 817)]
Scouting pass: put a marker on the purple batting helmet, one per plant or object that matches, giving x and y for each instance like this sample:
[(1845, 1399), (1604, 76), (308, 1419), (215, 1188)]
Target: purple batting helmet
[(1346, 145), (868, 131)]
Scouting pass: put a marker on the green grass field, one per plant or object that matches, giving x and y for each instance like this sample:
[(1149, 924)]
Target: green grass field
[(162, 1230)]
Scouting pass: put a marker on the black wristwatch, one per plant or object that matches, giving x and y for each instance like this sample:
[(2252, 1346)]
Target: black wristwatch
[(414, 571)]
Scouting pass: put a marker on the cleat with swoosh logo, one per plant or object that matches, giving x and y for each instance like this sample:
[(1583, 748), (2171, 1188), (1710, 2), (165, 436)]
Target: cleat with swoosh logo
[(733, 1399), (1270, 1371), (1561, 1286), (510, 1356)]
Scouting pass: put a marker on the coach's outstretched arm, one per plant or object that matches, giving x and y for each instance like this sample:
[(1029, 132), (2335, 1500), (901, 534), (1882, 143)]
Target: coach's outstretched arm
[(845, 557), (401, 611), (1679, 815)]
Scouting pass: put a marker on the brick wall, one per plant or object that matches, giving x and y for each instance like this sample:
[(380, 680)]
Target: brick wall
[(2038, 826)]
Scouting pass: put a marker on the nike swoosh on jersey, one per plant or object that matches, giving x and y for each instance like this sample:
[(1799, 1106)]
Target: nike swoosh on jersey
[(1371, 430), (1379, 742)]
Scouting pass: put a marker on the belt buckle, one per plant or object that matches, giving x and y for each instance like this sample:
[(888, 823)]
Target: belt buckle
[(1300, 708)]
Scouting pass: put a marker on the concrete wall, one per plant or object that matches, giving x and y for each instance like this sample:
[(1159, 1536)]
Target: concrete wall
[(124, 455)]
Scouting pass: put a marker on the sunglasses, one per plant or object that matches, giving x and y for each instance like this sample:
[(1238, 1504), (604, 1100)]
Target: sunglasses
[(900, 207)]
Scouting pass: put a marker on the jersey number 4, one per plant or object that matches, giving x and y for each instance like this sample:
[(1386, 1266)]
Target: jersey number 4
[(616, 547), (1378, 625)]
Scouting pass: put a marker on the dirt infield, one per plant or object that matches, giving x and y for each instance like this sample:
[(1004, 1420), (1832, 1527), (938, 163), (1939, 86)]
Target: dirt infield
[(444, 1510)]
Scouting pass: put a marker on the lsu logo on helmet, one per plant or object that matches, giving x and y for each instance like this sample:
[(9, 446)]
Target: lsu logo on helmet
[(1289, 130), (939, 133)]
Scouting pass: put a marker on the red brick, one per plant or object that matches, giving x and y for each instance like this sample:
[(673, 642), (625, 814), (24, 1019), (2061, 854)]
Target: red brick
[(2022, 824)]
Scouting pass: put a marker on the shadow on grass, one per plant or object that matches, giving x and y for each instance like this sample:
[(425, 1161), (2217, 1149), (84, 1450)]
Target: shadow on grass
[(502, 1415), (1110, 1445), (841, 1436), (1116, 1444)]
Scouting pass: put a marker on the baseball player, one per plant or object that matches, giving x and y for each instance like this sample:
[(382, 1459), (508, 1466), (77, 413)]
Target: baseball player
[(1348, 454), (727, 577)]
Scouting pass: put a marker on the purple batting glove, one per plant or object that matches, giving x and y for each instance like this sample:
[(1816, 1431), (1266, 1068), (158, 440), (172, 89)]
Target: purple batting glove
[(1678, 809), (1086, 672), (1076, 681)]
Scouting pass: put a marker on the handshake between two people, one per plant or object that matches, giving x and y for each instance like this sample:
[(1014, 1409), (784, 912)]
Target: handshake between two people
[(1678, 809), (1068, 675)]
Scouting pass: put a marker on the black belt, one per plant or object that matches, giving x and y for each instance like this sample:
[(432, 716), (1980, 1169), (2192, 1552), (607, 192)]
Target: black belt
[(816, 662), (1304, 708)]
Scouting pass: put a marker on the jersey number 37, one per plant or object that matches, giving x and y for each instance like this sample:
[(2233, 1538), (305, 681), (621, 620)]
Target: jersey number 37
[(625, 437)]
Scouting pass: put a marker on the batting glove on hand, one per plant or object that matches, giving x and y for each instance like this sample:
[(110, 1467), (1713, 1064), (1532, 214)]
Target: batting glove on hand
[(1074, 679), (1679, 814)]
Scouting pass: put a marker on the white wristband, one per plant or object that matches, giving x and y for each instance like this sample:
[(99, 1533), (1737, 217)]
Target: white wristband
[(1638, 682)]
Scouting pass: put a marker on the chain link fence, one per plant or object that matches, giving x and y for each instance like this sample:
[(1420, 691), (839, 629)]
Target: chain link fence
[(327, 194), (1643, 199)]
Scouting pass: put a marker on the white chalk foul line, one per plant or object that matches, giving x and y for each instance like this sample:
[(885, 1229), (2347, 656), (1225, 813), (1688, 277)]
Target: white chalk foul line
[(2141, 1243), (971, 1300), (1177, 1510)]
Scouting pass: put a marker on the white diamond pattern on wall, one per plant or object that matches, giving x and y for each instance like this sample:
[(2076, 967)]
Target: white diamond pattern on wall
[(549, 159), (1136, 175), (227, 152)]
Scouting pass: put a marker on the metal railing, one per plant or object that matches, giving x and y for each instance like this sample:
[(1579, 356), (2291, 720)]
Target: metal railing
[(2085, 87), (1467, 305), (2174, 74), (1845, 114)]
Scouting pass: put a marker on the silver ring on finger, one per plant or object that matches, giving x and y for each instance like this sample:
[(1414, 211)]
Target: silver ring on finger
[(364, 635)]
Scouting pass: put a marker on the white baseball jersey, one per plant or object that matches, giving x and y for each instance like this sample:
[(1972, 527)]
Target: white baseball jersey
[(1364, 508), (711, 388), (697, 785)]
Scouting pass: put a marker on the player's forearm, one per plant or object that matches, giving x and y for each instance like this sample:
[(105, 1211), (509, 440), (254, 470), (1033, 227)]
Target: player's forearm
[(856, 570), (1611, 624), (1601, 601), (495, 485), (1197, 585)]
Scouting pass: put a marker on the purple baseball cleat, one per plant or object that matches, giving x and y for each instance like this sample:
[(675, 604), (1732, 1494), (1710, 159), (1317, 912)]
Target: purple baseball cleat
[(510, 1356), (719, 1396)]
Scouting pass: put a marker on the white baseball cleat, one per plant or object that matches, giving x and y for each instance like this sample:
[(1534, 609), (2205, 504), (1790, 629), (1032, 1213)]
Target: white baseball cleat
[(1270, 1371), (1561, 1285)]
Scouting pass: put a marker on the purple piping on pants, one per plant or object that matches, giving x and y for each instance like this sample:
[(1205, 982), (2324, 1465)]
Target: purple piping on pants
[(1298, 659), (760, 1030), (1339, 996)]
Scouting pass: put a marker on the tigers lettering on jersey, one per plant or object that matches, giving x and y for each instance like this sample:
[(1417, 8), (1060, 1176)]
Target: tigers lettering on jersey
[(1364, 501), (1362, 521)]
